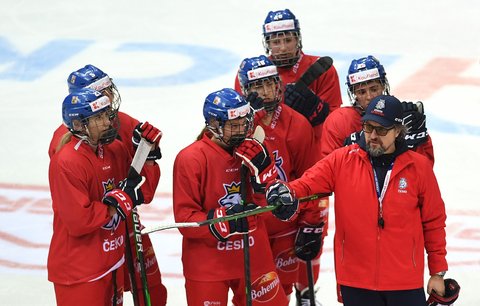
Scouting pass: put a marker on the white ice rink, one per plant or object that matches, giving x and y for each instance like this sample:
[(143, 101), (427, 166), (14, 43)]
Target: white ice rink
[(166, 56)]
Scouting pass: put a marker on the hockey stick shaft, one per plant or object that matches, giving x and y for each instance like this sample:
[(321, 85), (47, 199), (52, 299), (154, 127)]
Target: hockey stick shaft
[(131, 267), (256, 211), (246, 245), (311, 285), (138, 161)]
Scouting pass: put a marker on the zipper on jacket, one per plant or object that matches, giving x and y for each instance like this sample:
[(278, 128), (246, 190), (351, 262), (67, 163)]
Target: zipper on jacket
[(413, 253), (377, 265)]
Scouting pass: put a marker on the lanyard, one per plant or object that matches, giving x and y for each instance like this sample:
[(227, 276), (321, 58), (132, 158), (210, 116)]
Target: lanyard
[(381, 193)]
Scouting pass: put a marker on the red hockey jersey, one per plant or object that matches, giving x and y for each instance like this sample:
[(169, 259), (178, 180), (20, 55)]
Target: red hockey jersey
[(205, 176), (87, 243), (326, 87), (125, 133), (291, 139)]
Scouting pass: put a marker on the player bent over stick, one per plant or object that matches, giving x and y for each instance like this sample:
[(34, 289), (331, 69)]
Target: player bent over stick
[(206, 185)]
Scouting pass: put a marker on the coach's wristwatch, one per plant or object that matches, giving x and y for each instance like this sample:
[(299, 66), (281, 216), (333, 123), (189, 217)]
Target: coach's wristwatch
[(441, 274)]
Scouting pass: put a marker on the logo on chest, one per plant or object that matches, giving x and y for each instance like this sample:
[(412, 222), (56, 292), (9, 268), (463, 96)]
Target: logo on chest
[(109, 185), (232, 195), (402, 185)]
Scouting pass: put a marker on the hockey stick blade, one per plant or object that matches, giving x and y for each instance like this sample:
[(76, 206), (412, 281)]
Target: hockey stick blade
[(255, 211)]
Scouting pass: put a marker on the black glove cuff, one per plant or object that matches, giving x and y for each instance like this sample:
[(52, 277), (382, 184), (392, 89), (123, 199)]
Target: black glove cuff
[(156, 154)]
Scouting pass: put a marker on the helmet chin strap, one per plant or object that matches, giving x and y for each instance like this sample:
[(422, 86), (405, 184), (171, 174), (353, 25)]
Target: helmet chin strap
[(108, 136)]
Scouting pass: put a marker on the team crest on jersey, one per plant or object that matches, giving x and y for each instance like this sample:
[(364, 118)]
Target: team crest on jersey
[(112, 225), (232, 195), (109, 185), (278, 164), (402, 185)]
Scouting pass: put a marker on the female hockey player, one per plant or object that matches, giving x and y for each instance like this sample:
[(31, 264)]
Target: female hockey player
[(90, 198), (207, 183)]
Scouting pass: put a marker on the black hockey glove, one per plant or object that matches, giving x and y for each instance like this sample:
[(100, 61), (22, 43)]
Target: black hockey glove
[(309, 241), (119, 200), (131, 186), (223, 230), (258, 160), (415, 121), (278, 193), (303, 100), (152, 135), (255, 101), (452, 290), (353, 138)]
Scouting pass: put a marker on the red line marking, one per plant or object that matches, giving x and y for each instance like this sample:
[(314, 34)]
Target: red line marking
[(172, 275), (47, 188), (462, 249), (438, 73), (21, 242), (464, 263), (23, 187), (17, 265)]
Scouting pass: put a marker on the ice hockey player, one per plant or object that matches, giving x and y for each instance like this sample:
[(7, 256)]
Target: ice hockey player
[(90, 199), (207, 183), (367, 79), (129, 131), (291, 139)]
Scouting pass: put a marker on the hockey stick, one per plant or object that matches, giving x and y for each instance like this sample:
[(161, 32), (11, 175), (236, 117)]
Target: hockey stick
[(138, 161), (313, 72), (255, 211), (246, 244), (311, 285), (131, 267), (259, 134)]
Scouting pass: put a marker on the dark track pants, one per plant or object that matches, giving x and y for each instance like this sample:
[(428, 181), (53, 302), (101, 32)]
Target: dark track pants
[(362, 297)]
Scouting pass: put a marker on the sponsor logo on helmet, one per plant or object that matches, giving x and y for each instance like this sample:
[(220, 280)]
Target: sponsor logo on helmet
[(72, 79), (266, 287), (101, 84), (262, 72), (74, 99), (363, 76), (280, 25), (241, 111), (99, 104)]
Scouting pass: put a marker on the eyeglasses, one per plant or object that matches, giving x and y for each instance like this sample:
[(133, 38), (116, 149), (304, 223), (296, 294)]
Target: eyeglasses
[(380, 130)]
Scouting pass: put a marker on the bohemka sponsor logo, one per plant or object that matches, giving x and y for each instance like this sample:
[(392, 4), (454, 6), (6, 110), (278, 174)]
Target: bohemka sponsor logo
[(211, 303), (286, 261), (265, 288)]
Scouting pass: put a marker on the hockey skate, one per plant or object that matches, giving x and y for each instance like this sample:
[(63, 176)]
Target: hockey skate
[(303, 298)]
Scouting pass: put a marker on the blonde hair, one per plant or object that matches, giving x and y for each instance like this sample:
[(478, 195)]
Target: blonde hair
[(64, 140)]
